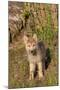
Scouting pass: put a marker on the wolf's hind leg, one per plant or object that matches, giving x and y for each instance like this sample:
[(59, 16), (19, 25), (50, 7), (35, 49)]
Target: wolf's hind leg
[(32, 69)]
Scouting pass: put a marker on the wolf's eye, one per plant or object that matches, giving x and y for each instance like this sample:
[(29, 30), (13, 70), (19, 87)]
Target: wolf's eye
[(28, 45), (33, 44)]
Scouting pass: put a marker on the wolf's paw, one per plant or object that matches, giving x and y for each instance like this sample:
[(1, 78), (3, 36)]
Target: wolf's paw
[(31, 78), (41, 77)]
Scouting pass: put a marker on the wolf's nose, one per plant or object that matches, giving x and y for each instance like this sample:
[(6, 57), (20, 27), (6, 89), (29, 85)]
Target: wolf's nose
[(32, 51)]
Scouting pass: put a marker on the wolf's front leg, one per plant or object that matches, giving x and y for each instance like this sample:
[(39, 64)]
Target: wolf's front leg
[(32, 69), (40, 71)]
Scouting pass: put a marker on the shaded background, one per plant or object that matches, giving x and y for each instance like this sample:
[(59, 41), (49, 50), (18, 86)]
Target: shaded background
[(41, 19)]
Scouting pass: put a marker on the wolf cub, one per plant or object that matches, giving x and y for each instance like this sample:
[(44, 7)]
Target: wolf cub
[(36, 55)]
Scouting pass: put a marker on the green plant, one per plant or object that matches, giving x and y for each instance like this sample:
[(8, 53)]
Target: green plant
[(26, 14)]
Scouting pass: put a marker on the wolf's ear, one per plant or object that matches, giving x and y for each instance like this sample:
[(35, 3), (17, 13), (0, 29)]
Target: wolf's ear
[(25, 38), (35, 37)]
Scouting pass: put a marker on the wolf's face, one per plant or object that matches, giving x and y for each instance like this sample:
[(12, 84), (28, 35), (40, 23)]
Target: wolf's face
[(31, 43)]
